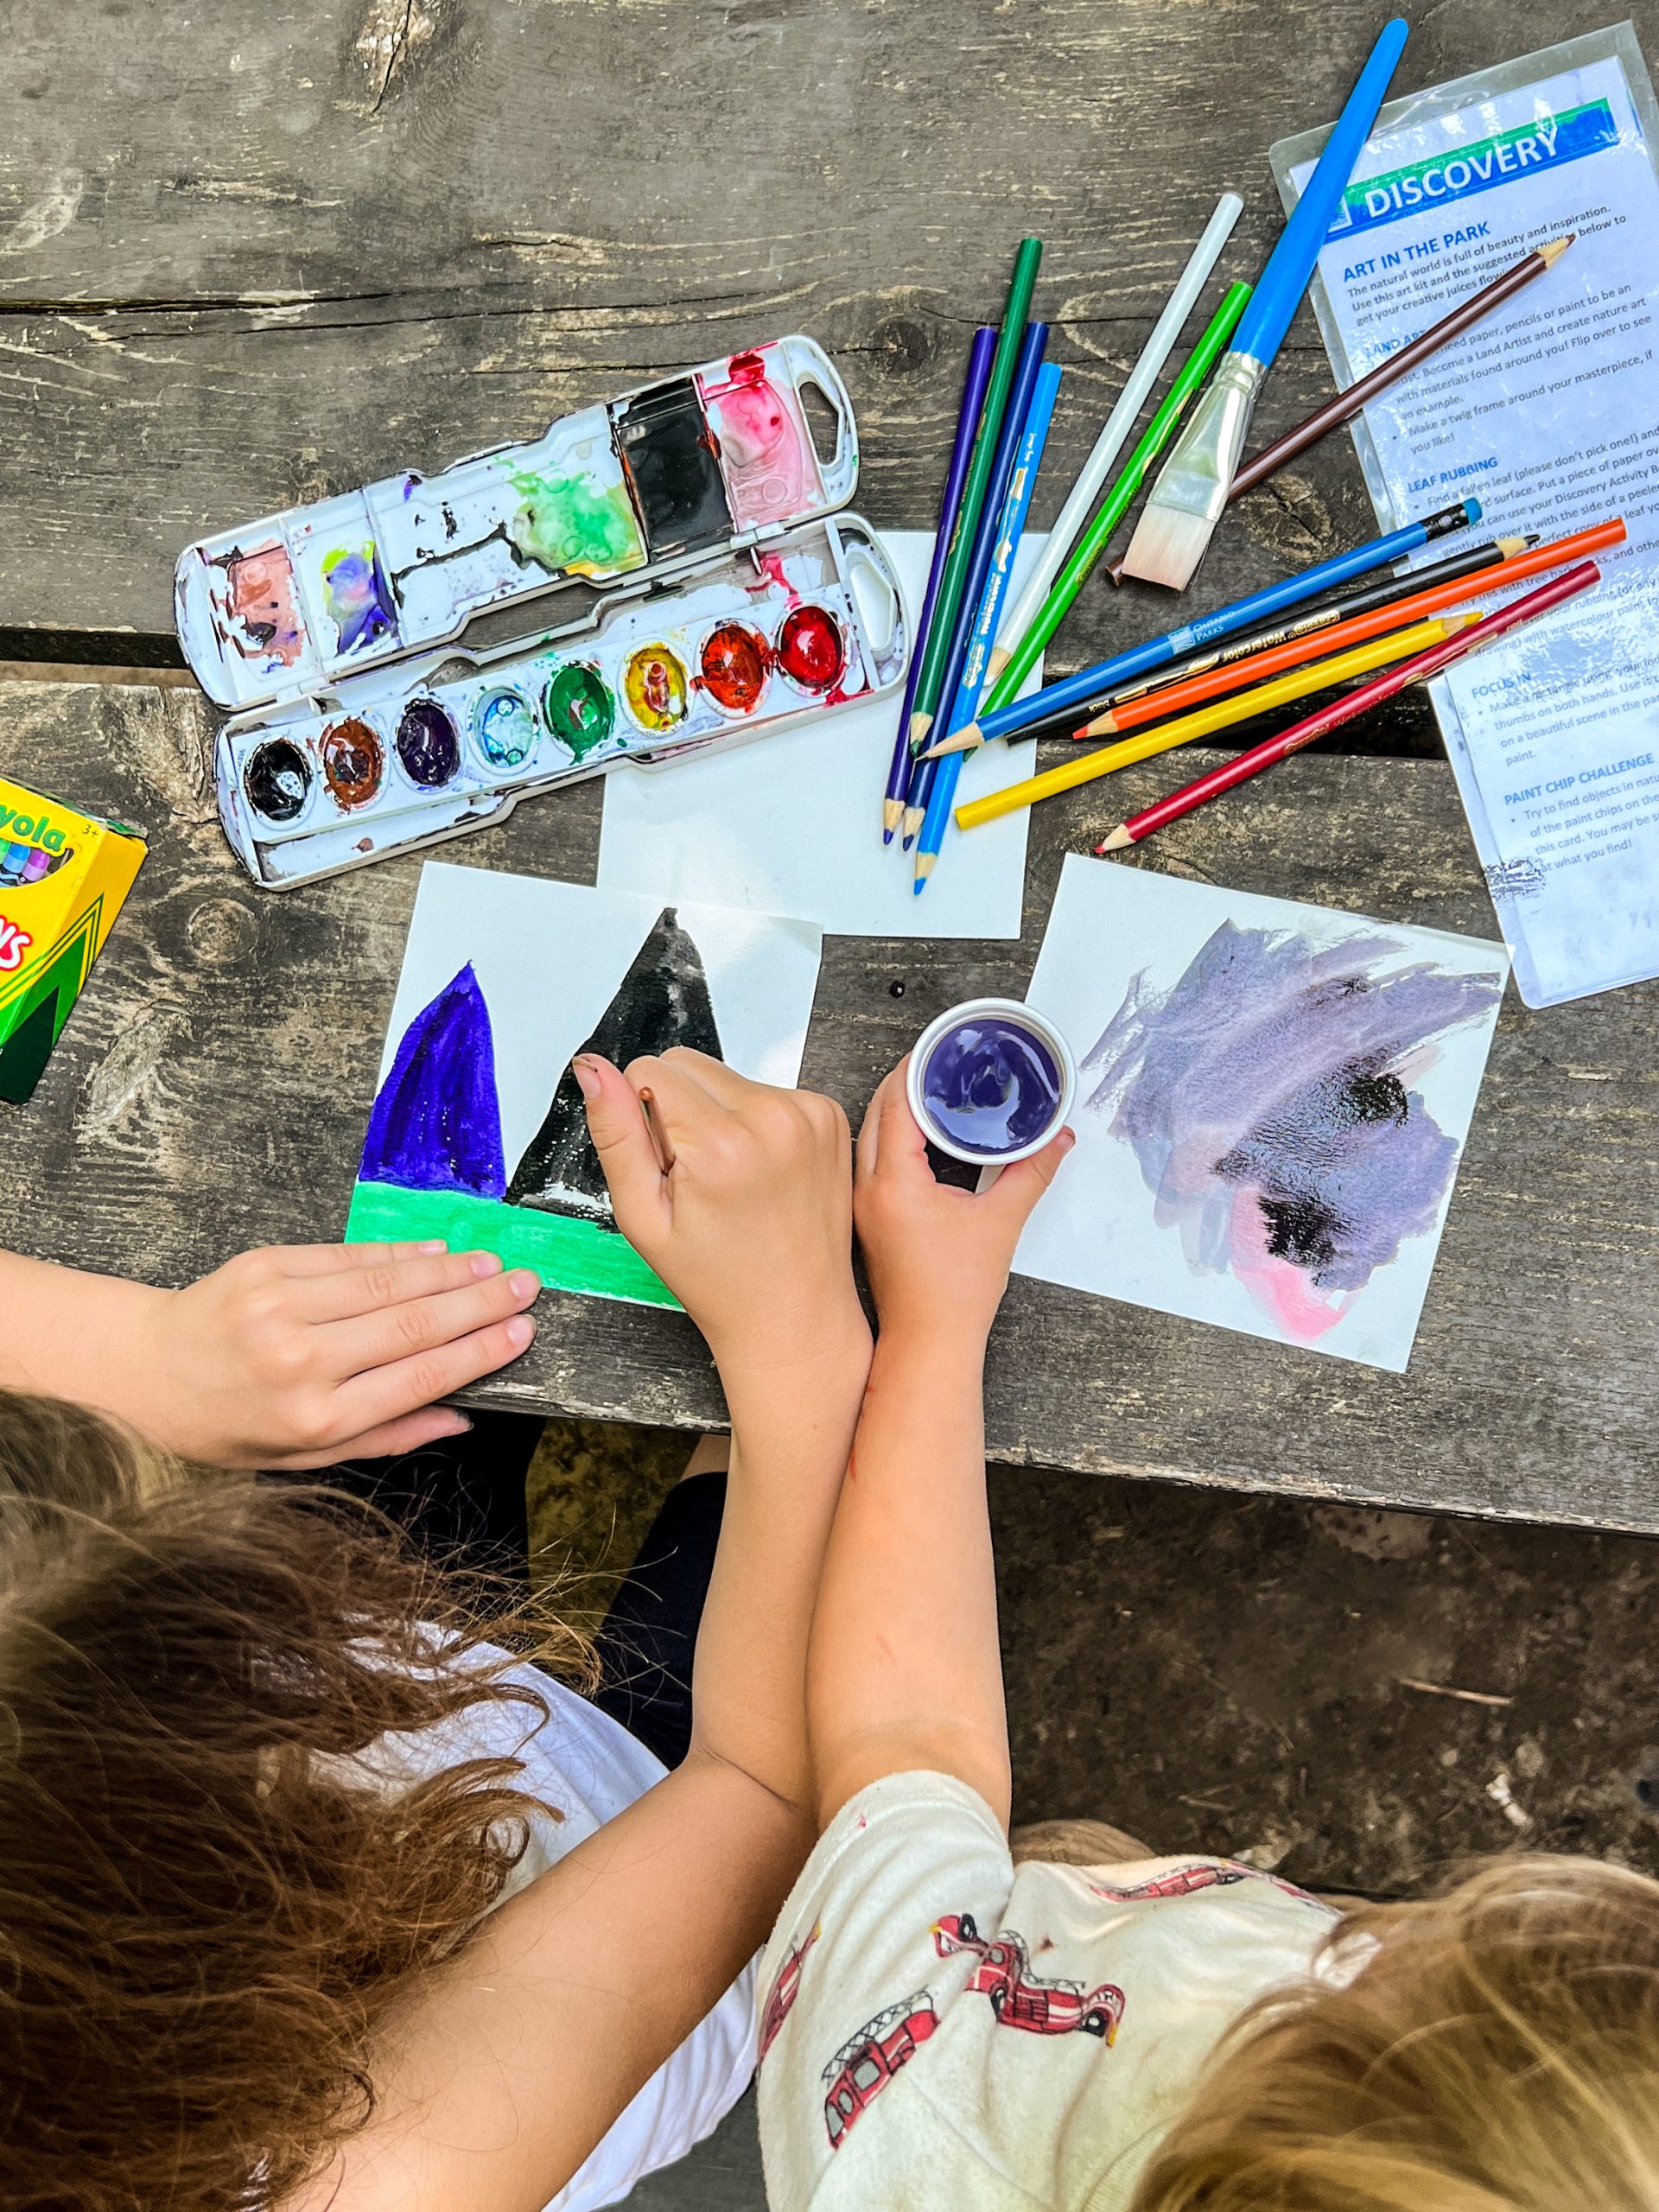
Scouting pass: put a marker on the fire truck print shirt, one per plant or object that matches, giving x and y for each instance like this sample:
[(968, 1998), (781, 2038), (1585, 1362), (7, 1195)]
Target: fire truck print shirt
[(938, 2026)]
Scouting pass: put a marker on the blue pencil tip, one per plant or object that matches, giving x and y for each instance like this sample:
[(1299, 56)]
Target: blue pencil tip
[(886, 836), (908, 842), (919, 887)]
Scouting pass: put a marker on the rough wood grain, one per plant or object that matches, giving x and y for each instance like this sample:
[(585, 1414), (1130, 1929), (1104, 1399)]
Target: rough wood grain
[(251, 254), (212, 1088)]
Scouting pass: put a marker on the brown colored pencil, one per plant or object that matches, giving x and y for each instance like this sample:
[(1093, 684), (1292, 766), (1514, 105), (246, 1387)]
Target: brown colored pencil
[(1347, 404)]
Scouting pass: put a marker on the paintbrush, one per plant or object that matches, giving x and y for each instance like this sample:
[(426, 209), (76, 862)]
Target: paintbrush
[(1418, 669), (1191, 491), (1137, 389)]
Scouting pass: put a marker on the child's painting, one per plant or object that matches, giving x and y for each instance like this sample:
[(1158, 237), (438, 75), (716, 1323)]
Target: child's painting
[(1272, 1102), (478, 1132)]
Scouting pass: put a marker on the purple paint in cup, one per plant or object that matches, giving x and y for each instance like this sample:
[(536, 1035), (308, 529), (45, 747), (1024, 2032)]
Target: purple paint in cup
[(990, 1082)]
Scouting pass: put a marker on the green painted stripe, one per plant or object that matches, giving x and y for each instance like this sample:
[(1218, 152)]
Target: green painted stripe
[(567, 1253)]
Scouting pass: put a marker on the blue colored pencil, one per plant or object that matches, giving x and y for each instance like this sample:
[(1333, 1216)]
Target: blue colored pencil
[(979, 356), (1139, 660), (1030, 359), (976, 667)]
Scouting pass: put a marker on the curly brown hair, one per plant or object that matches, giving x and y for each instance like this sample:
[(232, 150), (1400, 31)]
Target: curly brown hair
[(203, 1917), (1497, 2050)]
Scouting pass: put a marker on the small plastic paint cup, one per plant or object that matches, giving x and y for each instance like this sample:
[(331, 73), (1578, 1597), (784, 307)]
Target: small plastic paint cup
[(990, 1082)]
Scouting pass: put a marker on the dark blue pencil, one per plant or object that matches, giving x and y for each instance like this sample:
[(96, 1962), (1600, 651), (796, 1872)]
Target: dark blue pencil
[(980, 355), (1031, 348)]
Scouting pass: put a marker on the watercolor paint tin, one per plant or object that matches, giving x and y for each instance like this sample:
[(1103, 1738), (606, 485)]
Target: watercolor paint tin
[(990, 1082), (743, 642), (716, 458)]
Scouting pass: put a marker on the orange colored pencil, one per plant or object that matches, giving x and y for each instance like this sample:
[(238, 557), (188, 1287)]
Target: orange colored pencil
[(1216, 681)]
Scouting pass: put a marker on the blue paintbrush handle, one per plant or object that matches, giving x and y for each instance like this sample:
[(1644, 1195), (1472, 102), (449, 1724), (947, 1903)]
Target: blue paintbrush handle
[(1262, 326)]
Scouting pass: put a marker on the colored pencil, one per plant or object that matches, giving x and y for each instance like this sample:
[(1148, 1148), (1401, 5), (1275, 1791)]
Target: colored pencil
[(1186, 502), (1337, 607), (1312, 583), (930, 683), (1070, 581), (1347, 404), (1329, 635), (980, 556), (1137, 389), (1430, 598), (1015, 506), (956, 475), (1242, 707), (1418, 669), (1317, 624)]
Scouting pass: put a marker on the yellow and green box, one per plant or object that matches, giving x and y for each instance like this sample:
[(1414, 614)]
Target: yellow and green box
[(63, 877)]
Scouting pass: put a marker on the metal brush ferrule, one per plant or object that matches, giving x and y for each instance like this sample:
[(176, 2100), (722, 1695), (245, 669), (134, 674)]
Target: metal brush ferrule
[(1198, 473)]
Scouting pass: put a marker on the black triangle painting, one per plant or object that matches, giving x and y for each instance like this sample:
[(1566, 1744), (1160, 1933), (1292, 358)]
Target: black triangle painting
[(662, 1001)]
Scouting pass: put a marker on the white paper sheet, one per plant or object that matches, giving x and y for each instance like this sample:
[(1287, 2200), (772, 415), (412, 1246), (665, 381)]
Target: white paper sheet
[(1548, 411), (791, 824), (1268, 1122), (520, 971)]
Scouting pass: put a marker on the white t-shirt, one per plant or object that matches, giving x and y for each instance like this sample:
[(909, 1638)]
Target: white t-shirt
[(941, 2026), (590, 1767)]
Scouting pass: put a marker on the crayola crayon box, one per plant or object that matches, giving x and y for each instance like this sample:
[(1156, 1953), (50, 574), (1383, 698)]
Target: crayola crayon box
[(63, 879)]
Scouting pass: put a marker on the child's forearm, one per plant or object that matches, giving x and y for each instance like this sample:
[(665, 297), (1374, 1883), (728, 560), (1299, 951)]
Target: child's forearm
[(791, 1432), (70, 1335), (904, 1670)]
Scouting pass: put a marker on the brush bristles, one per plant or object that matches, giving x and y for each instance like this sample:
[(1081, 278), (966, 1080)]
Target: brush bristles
[(1167, 547)]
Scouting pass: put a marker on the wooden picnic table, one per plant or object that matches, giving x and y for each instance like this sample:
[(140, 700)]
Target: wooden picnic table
[(249, 255)]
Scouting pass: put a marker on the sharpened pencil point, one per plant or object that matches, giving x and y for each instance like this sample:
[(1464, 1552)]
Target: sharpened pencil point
[(914, 817), (961, 740), (1119, 838), (994, 667), (919, 725), (1550, 254), (926, 863)]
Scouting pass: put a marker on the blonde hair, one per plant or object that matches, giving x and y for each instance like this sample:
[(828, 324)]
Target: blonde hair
[(1496, 2051), (203, 1920)]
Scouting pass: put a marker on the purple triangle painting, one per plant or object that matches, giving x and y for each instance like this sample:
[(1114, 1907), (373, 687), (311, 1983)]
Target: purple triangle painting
[(437, 1122)]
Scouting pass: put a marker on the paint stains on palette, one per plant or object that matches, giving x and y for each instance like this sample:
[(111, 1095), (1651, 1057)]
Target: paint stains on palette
[(1271, 1097), (741, 644), (695, 463)]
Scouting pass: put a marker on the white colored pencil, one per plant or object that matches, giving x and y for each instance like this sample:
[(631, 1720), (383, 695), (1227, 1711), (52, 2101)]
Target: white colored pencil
[(1069, 522)]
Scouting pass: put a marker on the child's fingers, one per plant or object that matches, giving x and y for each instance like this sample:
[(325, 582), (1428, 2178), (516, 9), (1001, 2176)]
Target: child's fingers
[(701, 1069), (393, 1332), (299, 1260), (344, 1294), (393, 1437), (1017, 1189), (385, 1393), (891, 1088), (616, 1122)]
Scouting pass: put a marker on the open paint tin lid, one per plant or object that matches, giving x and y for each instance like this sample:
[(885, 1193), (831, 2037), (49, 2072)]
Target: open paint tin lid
[(990, 1082)]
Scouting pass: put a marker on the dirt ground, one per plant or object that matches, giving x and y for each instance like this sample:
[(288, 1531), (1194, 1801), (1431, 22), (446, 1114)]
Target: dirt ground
[(1358, 1700)]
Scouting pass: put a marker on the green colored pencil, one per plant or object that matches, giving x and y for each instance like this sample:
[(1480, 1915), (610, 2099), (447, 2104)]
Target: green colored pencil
[(941, 630), (1093, 542)]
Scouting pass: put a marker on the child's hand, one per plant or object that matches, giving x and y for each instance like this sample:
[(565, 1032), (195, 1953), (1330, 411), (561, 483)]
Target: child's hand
[(750, 1226), (303, 1355), (936, 1256)]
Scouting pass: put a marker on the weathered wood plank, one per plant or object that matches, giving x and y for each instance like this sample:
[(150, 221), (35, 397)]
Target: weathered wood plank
[(250, 255), (210, 1092)]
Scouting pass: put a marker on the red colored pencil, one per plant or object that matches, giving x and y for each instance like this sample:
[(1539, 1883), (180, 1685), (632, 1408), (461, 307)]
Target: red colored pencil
[(1418, 669)]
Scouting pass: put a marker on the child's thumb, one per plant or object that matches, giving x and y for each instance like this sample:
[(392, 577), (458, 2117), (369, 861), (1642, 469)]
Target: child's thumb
[(1017, 1189), (616, 1122)]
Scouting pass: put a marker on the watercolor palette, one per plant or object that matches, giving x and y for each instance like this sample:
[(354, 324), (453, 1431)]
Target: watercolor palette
[(718, 458), (742, 643)]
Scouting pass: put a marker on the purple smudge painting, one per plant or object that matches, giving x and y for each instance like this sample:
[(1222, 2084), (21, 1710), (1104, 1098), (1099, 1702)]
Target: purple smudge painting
[(1270, 1098), (436, 1122)]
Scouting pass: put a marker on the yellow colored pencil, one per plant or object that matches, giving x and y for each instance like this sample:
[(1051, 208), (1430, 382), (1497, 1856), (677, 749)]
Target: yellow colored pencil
[(1319, 676)]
